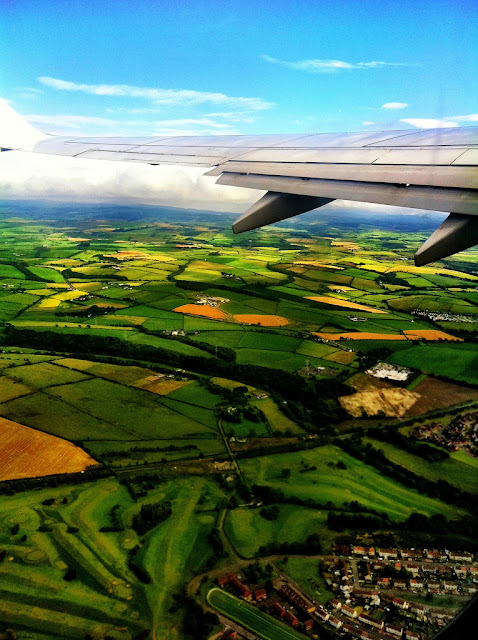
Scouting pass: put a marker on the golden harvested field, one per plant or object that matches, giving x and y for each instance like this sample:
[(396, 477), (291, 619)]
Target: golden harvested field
[(429, 334), (392, 402), (342, 357), (201, 310), (263, 321), (431, 271), (27, 453), (361, 335), (74, 363), (128, 255), (339, 302), (343, 287), (160, 386), (347, 246)]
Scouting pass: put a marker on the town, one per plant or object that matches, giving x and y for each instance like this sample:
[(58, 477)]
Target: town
[(378, 593)]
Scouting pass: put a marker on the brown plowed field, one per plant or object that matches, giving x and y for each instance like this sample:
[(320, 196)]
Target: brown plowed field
[(263, 321), (201, 310), (28, 453), (436, 393)]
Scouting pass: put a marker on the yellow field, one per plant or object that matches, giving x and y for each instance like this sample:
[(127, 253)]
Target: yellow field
[(340, 286), (161, 387), (263, 321), (432, 271), (347, 246), (128, 255), (79, 239), (340, 302), (39, 292), (373, 402), (201, 310), (48, 303), (342, 357), (27, 453), (429, 334), (70, 295)]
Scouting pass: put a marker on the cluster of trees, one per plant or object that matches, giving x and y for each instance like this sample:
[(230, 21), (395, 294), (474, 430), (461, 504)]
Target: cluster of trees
[(197, 623), (114, 520), (270, 512), (124, 454), (10, 487), (217, 546), (92, 311), (151, 515), (425, 451), (271, 495), (312, 546), (340, 521), (376, 458)]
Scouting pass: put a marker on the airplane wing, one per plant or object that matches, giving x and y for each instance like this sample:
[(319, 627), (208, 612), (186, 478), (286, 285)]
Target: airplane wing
[(432, 169)]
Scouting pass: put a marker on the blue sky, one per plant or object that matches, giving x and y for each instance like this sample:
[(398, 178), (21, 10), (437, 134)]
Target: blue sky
[(217, 67), (246, 67)]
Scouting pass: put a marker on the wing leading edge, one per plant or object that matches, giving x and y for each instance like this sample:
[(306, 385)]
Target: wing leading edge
[(433, 169)]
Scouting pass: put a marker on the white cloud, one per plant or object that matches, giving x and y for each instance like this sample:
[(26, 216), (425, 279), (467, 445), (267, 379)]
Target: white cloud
[(29, 176), (176, 97), (395, 105), (367, 123), (473, 117), (329, 66), (429, 123)]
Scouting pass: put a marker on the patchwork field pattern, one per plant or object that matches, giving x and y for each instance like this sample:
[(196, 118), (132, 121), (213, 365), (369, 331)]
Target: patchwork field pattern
[(193, 369)]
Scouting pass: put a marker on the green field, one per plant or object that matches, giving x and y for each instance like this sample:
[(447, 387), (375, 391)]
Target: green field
[(452, 362), (248, 530), (261, 624), (328, 483), (457, 473)]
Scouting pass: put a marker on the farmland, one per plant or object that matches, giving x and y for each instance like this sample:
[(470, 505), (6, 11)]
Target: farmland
[(159, 375)]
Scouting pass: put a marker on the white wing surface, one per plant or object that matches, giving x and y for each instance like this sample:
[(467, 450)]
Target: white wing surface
[(433, 169)]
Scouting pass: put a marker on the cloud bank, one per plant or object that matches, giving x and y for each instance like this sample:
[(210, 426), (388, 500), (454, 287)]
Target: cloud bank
[(25, 176)]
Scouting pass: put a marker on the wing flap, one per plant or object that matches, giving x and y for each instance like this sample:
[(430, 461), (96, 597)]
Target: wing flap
[(420, 197)]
